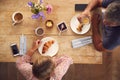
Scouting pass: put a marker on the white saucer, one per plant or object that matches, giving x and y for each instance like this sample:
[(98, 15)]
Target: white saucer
[(52, 50), (74, 23)]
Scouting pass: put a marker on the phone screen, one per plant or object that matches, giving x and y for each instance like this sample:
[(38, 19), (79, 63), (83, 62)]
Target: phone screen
[(15, 50), (80, 7)]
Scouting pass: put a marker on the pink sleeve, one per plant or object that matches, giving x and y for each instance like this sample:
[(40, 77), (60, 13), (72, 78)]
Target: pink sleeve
[(25, 67), (63, 64)]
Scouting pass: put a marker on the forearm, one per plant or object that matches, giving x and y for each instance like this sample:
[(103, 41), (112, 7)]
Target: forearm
[(97, 41), (30, 52), (34, 48), (93, 4)]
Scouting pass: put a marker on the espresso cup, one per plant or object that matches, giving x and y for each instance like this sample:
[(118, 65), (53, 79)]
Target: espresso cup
[(17, 17), (85, 20), (39, 31)]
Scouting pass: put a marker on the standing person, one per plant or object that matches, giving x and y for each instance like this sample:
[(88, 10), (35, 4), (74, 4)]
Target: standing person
[(111, 24), (44, 67)]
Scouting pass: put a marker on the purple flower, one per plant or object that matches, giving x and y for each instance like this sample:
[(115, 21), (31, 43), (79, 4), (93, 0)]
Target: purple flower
[(30, 4), (35, 16), (49, 8), (40, 14), (41, 1)]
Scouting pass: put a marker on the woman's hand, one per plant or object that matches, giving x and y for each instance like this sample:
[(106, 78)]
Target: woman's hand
[(36, 44)]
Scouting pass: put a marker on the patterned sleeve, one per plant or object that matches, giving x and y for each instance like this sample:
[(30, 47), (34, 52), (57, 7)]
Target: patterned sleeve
[(24, 66), (63, 64), (105, 3)]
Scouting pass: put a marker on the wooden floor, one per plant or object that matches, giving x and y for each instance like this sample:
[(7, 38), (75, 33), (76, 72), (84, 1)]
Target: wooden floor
[(8, 71)]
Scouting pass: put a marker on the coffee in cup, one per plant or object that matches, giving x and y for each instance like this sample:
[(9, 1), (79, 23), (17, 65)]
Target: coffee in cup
[(39, 31), (17, 17), (85, 20)]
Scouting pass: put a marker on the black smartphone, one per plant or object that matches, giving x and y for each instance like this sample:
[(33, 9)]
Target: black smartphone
[(14, 49), (80, 7)]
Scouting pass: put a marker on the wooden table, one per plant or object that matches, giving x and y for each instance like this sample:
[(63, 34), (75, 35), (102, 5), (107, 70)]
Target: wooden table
[(62, 11)]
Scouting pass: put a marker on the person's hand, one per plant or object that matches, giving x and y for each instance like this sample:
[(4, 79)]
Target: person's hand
[(36, 44), (84, 14)]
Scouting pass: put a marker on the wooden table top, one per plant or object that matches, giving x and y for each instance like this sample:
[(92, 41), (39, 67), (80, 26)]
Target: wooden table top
[(62, 11)]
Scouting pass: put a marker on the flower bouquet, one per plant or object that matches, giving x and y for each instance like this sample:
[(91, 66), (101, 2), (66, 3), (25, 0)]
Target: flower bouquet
[(38, 9)]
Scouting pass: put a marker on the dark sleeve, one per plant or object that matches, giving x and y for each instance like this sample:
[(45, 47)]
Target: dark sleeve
[(105, 3)]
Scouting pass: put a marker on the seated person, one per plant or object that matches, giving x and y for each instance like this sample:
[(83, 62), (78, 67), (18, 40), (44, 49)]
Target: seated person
[(44, 67), (111, 24)]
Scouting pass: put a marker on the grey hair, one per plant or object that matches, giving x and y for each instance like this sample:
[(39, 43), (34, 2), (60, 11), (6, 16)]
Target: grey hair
[(112, 12)]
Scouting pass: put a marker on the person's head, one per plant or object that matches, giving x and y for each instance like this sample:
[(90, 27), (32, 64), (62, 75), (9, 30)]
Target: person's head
[(43, 67), (112, 14)]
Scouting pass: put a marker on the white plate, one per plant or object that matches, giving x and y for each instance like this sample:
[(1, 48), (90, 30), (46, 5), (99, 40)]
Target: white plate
[(74, 23), (52, 50)]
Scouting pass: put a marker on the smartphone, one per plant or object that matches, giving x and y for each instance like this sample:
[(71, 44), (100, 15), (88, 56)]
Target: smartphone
[(80, 7), (14, 49)]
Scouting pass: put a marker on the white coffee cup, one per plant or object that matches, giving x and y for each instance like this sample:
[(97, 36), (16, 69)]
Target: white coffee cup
[(17, 17), (39, 31)]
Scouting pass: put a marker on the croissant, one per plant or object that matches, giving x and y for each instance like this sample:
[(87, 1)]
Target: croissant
[(47, 45)]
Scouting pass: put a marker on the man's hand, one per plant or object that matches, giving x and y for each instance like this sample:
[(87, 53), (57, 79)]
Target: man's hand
[(84, 14)]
